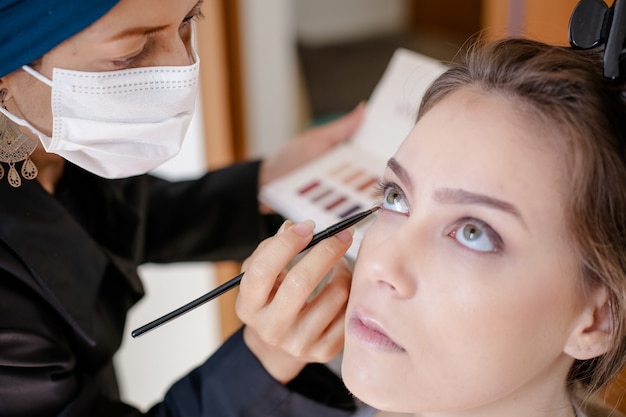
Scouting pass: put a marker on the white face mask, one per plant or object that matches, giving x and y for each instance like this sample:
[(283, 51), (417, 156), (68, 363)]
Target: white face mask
[(121, 123)]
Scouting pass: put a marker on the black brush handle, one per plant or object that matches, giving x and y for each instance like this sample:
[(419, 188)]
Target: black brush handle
[(234, 282)]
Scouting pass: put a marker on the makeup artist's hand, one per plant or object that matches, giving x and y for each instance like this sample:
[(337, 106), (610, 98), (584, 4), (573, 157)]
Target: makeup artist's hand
[(310, 144), (287, 327)]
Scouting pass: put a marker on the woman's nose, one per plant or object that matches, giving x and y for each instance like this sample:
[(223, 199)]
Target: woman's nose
[(391, 263)]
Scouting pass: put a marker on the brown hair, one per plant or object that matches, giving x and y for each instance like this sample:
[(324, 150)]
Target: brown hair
[(565, 88)]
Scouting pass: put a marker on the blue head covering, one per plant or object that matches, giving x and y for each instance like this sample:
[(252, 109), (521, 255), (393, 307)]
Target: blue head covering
[(30, 28)]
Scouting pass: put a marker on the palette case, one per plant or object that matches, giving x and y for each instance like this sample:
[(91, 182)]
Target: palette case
[(345, 180)]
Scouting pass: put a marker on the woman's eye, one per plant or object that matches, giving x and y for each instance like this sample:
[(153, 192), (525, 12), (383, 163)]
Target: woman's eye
[(394, 199), (477, 235)]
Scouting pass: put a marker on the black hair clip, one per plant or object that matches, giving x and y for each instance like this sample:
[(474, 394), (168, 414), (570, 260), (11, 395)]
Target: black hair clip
[(593, 24)]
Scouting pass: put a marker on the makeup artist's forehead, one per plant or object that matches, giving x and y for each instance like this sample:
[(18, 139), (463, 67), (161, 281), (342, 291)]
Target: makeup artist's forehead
[(120, 33)]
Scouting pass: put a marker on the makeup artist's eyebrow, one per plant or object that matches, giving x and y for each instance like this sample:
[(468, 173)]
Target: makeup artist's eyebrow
[(147, 30), (460, 196), (400, 172), (138, 31)]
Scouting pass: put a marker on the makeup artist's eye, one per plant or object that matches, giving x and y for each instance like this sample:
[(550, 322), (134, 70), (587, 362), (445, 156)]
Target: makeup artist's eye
[(393, 198), (127, 62), (476, 235), (194, 14)]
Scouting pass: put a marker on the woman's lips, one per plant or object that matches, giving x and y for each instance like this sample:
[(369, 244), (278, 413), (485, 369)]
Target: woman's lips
[(369, 333)]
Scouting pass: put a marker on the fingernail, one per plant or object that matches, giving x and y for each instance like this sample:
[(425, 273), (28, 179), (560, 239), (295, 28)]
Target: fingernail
[(304, 228), (345, 235)]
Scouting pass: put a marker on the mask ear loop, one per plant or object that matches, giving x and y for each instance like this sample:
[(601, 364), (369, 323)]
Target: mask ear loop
[(37, 75), (194, 43)]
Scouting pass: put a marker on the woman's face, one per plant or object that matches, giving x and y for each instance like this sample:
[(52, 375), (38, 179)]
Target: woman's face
[(135, 33), (465, 289)]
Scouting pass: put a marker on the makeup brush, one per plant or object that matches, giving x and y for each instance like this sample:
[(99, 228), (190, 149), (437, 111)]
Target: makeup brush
[(234, 282)]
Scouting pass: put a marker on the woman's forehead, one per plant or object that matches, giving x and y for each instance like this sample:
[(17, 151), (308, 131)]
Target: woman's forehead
[(472, 140)]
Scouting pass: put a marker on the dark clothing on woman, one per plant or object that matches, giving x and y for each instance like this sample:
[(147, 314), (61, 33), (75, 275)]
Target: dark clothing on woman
[(68, 275)]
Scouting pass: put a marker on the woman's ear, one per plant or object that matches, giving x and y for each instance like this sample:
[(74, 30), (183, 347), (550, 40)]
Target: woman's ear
[(591, 335)]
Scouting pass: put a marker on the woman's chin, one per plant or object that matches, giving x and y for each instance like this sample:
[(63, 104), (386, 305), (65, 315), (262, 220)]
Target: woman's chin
[(372, 386)]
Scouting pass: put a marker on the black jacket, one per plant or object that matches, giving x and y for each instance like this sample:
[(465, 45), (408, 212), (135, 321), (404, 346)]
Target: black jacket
[(68, 275)]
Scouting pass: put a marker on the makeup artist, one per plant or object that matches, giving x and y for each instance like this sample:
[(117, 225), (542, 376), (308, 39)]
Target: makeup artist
[(94, 94)]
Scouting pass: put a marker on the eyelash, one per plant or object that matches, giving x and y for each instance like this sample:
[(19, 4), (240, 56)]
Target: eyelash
[(194, 15), (382, 186), (379, 190)]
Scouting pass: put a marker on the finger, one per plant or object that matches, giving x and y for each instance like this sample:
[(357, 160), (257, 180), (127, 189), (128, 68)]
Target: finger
[(268, 263), (331, 298), (342, 271), (324, 347), (323, 309), (331, 342), (252, 316), (305, 276), (281, 319), (262, 246)]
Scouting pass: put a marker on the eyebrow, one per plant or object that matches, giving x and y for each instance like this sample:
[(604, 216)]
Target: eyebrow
[(458, 195), (138, 31), (400, 172)]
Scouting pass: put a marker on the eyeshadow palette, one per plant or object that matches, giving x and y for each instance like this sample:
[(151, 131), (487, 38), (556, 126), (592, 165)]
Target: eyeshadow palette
[(331, 189), (344, 180)]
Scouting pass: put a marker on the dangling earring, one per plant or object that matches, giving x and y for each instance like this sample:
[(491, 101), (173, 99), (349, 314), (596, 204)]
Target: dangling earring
[(15, 146)]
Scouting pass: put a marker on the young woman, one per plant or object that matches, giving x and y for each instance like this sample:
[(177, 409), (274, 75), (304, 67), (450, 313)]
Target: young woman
[(493, 281), (94, 94)]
